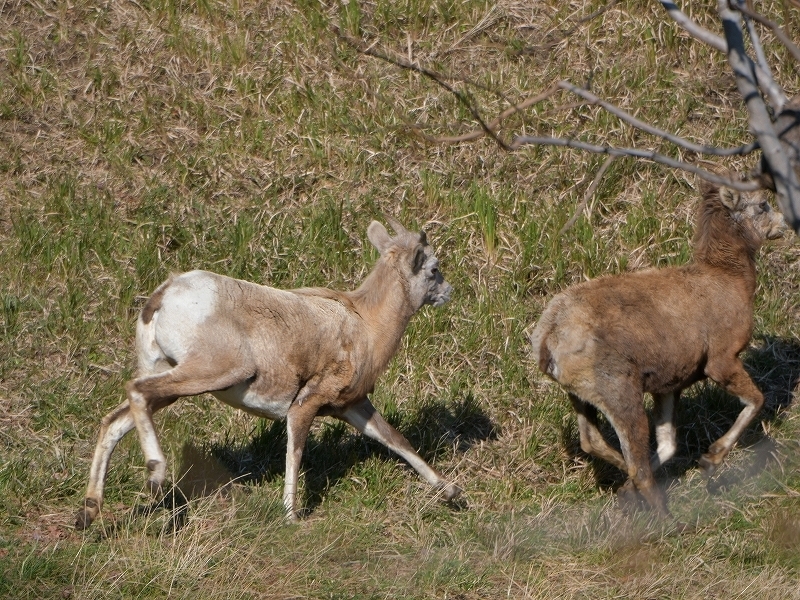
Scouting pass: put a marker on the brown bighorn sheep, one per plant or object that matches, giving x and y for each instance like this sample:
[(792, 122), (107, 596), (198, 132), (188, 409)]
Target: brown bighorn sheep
[(609, 340), (293, 354)]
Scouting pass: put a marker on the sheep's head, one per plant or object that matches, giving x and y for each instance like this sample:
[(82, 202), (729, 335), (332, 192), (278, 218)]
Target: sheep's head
[(752, 210), (415, 260), (750, 214), (753, 213)]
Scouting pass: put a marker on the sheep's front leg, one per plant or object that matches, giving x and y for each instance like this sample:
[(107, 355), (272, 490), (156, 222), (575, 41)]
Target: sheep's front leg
[(365, 417), (298, 424), (736, 381)]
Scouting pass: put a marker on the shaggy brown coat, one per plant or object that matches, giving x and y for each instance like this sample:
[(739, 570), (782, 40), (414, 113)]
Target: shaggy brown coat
[(609, 340)]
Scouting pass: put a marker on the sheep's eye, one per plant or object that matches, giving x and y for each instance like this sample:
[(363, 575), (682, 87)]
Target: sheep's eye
[(764, 206)]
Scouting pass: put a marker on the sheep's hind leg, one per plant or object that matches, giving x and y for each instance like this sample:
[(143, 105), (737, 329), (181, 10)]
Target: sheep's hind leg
[(592, 440), (736, 381), (365, 417), (148, 394), (634, 436), (664, 415), (621, 402), (298, 424), (112, 428)]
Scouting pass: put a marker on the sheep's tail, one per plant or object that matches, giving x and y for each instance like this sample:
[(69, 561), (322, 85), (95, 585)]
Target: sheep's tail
[(540, 335), (154, 302), (150, 357), (539, 342), (546, 364)]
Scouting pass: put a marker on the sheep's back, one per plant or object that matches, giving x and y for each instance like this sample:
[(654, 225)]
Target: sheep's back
[(656, 325)]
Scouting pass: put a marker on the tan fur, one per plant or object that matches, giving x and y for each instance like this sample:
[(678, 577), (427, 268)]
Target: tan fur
[(275, 353), (609, 340)]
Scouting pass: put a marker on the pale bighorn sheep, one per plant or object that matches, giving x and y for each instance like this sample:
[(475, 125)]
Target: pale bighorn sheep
[(610, 340), (293, 354)]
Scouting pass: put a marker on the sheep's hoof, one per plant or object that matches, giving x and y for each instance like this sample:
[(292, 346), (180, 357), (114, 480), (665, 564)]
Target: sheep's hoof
[(707, 466), (451, 491), (628, 491), (628, 497), (87, 514), (83, 519)]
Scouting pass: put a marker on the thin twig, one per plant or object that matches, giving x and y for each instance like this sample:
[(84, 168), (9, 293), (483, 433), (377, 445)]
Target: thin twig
[(489, 19), (637, 153), (646, 127), (433, 75), (596, 13), (494, 125), (779, 31), (565, 33), (589, 192)]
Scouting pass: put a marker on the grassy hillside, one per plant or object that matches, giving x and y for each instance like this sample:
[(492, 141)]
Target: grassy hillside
[(147, 137)]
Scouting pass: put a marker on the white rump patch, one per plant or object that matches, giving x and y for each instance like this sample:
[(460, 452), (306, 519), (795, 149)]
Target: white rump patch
[(188, 302), (192, 295)]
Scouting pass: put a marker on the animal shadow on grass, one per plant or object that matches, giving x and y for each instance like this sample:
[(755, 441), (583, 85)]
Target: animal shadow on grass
[(436, 431), (201, 475), (705, 412)]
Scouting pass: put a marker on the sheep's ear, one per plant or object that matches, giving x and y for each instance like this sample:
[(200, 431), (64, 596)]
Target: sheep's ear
[(731, 199), (395, 224), (379, 237), (707, 188)]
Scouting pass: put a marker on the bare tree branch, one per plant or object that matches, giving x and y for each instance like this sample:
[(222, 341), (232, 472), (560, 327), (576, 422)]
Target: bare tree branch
[(631, 120), (589, 191), (780, 152), (779, 31), (637, 153), (785, 179), (692, 28), (492, 127), (765, 80), (439, 79), (593, 99)]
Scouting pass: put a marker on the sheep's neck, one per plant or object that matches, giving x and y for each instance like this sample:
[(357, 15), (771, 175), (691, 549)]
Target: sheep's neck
[(383, 303), (719, 246)]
